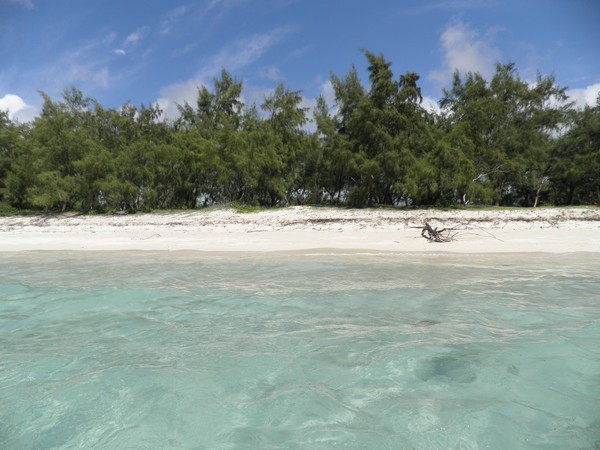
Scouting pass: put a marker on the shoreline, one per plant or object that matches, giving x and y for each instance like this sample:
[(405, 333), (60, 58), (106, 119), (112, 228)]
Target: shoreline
[(309, 229)]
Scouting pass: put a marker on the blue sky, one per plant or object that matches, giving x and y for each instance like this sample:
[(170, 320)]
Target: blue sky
[(159, 51)]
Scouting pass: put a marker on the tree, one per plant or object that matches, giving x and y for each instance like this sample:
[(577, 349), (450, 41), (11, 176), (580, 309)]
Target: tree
[(387, 131), (8, 150), (337, 166), (501, 141), (63, 148), (214, 110), (510, 125), (286, 118), (575, 173)]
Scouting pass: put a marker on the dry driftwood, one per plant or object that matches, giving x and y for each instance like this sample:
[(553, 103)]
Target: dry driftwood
[(435, 235)]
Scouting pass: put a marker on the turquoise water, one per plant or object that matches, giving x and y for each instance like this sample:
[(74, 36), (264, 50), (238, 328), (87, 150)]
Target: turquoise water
[(137, 351)]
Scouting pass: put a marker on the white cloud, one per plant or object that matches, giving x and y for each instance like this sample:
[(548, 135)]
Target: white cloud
[(328, 92), (136, 36), (430, 105), (586, 96), (18, 110), (120, 52), (178, 93), (465, 50)]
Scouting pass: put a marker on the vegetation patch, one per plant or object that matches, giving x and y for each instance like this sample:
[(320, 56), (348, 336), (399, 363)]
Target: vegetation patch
[(500, 141)]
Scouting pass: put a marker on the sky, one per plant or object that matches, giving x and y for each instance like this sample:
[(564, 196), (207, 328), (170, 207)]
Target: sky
[(158, 52)]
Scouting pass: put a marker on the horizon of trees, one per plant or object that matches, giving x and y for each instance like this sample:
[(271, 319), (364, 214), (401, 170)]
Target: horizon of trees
[(500, 141)]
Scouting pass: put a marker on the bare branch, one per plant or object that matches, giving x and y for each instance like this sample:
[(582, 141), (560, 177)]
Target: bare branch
[(435, 235)]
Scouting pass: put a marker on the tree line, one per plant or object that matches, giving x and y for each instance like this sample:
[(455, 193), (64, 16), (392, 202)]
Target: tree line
[(501, 141)]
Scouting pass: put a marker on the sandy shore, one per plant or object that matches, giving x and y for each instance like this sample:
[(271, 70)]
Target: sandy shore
[(552, 230)]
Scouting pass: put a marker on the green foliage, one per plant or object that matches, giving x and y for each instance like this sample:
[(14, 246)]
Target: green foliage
[(499, 141), (7, 210), (242, 208), (509, 127), (575, 171)]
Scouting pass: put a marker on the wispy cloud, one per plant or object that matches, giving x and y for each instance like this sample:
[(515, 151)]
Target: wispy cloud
[(172, 17), (86, 66), (447, 6), (466, 50), (91, 46), (299, 52), (234, 57), (101, 77), (223, 5), (88, 74), (243, 52), (136, 36), (183, 50), (24, 3), (120, 52), (270, 73)]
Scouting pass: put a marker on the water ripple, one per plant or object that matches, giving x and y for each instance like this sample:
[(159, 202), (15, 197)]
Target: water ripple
[(312, 352)]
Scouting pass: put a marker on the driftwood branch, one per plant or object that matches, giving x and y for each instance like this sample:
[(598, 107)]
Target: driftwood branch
[(435, 235)]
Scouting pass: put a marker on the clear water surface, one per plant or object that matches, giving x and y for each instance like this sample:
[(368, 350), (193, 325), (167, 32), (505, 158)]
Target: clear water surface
[(151, 350)]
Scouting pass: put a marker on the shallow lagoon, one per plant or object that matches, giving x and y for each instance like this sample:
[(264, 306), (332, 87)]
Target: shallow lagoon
[(169, 350)]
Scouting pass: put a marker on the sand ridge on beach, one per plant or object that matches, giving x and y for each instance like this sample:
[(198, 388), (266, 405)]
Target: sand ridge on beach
[(552, 230)]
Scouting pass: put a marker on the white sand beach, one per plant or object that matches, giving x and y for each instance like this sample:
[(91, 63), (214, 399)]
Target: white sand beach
[(550, 230)]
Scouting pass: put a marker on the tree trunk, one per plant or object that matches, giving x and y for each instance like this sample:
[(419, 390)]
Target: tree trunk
[(537, 193)]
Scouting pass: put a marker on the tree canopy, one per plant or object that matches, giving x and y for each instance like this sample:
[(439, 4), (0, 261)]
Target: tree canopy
[(501, 141)]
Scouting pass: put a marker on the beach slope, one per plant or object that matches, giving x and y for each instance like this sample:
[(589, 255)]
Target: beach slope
[(550, 230)]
